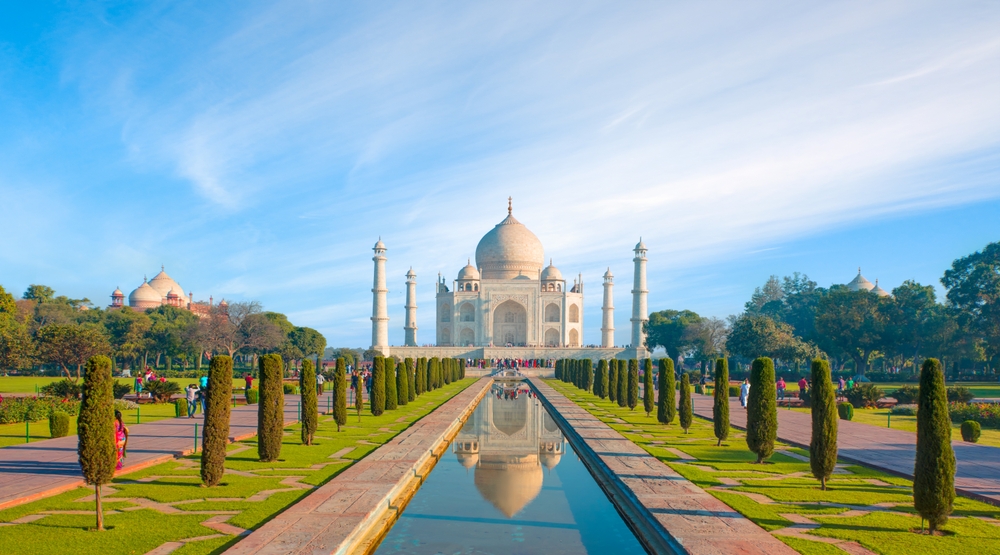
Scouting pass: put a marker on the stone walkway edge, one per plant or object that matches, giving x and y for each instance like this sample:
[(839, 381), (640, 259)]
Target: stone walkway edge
[(352, 512), (668, 513)]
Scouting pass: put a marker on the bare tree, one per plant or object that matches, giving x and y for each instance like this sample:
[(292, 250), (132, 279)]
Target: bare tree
[(709, 336), (239, 327)]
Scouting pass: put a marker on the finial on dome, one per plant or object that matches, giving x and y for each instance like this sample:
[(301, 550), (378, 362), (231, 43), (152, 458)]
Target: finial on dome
[(510, 205), (859, 270), (163, 268), (144, 278)]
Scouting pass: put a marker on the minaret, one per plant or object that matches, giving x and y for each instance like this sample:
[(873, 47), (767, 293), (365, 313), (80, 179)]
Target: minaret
[(380, 314), (608, 323), (640, 314), (411, 309)]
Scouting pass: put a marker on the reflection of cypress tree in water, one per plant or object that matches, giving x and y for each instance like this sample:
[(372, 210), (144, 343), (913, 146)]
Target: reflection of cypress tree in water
[(508, 441)]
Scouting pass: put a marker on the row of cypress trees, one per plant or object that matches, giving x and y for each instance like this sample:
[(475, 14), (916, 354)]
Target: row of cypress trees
[(395, 384)]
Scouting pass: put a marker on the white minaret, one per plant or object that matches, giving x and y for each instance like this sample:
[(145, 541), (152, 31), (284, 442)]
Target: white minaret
[(380, 314), (608, 323), (411, 309), (640, 314)]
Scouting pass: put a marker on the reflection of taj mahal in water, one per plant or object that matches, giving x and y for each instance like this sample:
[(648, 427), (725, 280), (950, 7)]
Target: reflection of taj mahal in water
[(506, 442)]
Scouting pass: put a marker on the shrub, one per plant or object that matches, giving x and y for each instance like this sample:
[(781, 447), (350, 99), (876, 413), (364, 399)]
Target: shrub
[(161, 391), (376, 401), (588, 374), (904, 410), (253, 395), (720, 402), (613, 380), (648, 395), (602, 382), (65, 388), (633, 383), (402, 387), (421, 377), (123, 405), (59, 424), (271, 409), (823, 443), (217, 410), (411, 386), (665, 400), (684, 407), (622, 383), (308, 407), (734, 391), (96, 428), (864, 395), (340, 393), (699, 389), (934, 472), (180, 407), (959, 394), (391, 398), (762, 415), (288, 389), (120, 389), (845, 411), (987, 414), (31, 409), (906, 395), (970, 431)]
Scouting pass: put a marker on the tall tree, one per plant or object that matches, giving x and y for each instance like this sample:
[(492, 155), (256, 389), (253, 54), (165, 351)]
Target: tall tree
[(402, 386), (39, 293), (762, 414), (667, 329), (411, 375), (270, 408), (823, 444), (622, 383), (377, 401), (934, 471), (239, 327), (973, 284), (217, 412), (720, 398), (601, 383), (71, 345), (633, 383), (613, 380), (391, 397), (915, 322), (665, 400), (854, 322), (647, 386), (753, 336), (684, 405), (766, 300), (96, 429), (340, 393), (309, 407)]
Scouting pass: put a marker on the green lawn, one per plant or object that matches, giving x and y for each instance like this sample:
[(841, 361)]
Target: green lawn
[(881, 517), (251, 496), (13, 434), (25, 384)]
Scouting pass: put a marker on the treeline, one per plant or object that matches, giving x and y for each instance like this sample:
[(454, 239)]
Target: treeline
[(794, 320), (395, 383), (42, 329)]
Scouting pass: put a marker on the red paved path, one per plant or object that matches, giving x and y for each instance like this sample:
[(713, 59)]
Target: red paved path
[(43, 468), (894, 451)]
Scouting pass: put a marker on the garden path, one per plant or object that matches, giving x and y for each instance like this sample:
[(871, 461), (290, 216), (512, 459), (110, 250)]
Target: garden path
[(894, 451), (43, 468)]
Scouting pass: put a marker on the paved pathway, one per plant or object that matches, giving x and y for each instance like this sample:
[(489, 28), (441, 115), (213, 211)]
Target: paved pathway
[(893, 451), (667, 508), (43, 468)]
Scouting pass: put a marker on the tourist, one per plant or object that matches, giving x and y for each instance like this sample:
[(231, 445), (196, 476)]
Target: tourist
[(191, 395), (803, 385), (121, 439), (320, 380), (138, 386), (248, 380), (781, 388), (841, 387), (744, 392), (850, 384), (203, 382), (201, 397)]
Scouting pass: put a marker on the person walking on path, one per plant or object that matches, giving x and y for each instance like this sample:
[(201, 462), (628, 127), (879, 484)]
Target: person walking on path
[(781, 388), (850, 384), (320, 380), (841, 387), (191, 395), (248, 380), (744, 392), (121, 439), (803, 386), (201, 398)]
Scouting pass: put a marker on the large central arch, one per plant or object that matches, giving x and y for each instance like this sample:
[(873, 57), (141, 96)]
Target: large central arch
[(510, 324)]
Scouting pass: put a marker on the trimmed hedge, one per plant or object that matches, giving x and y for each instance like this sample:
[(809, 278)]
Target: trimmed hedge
[(340, 393), (934, 471), (845, 411), (309, 404), (665, 399), (762, 406), (180, 407), (720, 403), (217, 411), (648, 394), (376, 401), (270, 410), (391, 396), (59, 424), (613, 380), (95, 428), (971, 431), (684, 405), (252, 395), (823, 444), (633, 383)]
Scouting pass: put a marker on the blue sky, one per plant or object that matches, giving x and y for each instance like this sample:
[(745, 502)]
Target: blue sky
[(258, 150)]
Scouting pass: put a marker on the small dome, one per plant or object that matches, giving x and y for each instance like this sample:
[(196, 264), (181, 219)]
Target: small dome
[(551, 272), (550, 460), (468, 460), (223, 303), (879, 291), (640, 246), (411, 273), (859, 282), (468, 272), (522, 276), (608, 275), (174, 295), (379, 245), (145, 296), (118, 294)]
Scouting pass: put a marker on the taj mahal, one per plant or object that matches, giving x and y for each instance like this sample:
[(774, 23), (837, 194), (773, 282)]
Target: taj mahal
[(509, 304)]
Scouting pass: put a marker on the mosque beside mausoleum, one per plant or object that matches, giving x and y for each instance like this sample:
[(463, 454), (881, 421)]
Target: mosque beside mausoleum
[(159, 291)]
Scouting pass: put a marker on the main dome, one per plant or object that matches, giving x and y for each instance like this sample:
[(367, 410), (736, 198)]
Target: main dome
[(509, 250)]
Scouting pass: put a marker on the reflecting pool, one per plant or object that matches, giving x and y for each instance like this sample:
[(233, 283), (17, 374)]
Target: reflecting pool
[(510, 484)]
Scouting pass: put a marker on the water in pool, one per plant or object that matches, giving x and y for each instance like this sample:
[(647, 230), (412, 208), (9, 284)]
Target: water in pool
[(510, 484)]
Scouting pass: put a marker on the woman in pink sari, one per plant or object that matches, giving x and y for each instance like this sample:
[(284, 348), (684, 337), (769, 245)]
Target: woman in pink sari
[(121, 439)]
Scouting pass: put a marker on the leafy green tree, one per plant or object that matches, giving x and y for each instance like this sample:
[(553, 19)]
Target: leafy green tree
[(17, 347), (622, 384), (720, 398), (71, 345), (239, 327), (377, 400), (411, 386), (309, 406), (647, 386), (665, 394), (667, 329), (170, 331), (934, 471), (823, 445), (613, 380), (8, 306), (340, 393), (916, 323), (973, 284), (633, 383), (753, 336), (217, 412), (766, 299), (39, 293), (270, 408), (95, 428), (128, 332), (762, 413), (601, 383), (854, 322), (684, 407)]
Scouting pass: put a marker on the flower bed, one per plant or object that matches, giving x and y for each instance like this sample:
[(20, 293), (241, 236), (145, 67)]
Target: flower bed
[(987, 414), (19, 409)]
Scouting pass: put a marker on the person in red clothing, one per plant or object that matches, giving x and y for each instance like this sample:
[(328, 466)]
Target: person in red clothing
[(803, 386)]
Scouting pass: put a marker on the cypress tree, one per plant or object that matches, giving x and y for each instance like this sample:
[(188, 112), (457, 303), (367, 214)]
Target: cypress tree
[(402, 386), (270, 407), (309, 405), (823, 445), (95, 428), (934, 471), (588, 375), (411, 386), (449, 370), (762, 413), (633, 383), (391, 397), (558, 370), (421, 376), (685, 403), (376, 401), (613, 380), (461, 367), (601, 383), (340, 393), (647, 386), (665, 392), (432, 374), (577, 373), (217, 409), (359, 395), (720, 405), (622, 384)]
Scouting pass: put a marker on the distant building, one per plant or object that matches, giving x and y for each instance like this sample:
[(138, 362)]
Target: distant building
[(159, 291), (859, 283)]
